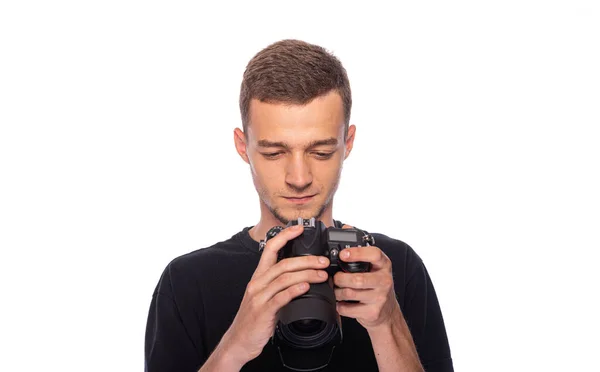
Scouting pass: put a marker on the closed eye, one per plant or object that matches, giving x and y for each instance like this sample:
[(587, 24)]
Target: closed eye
[(271, 155), (324, 155), (319, 155)]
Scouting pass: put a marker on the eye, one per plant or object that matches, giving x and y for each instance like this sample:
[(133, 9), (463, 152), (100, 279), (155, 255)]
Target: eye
[(271, 155), (324, 155)]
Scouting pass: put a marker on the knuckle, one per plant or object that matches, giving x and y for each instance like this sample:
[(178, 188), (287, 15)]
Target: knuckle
[(286, 296), (280, 300), (283, 279), (273, 245), (313, 275), (251, 288), (270, 245), (349, 293), (359, 279), (285, 264), (338, 280)]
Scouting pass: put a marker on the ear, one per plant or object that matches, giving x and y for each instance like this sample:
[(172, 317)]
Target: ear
[(349, 140), (241, 146)]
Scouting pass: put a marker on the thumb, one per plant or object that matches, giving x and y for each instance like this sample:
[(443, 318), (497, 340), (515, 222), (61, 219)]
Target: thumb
[(347, 227)]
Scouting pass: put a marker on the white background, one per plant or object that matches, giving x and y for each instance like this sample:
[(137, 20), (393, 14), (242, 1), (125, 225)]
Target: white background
[(477, 144)]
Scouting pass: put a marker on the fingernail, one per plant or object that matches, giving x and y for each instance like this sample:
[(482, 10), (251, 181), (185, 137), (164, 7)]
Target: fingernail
[(322, 260), (322, 274), (345, 254)]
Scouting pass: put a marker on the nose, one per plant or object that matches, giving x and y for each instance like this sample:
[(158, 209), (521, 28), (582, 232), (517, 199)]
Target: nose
[(298, 174)]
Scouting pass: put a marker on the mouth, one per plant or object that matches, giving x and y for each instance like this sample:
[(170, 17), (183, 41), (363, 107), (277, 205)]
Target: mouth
[(299, 200)]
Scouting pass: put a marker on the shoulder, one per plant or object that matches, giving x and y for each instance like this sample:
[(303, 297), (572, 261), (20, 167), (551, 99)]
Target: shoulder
[(201, 256), (397, 250), (193, 267), (405, 260), (394, 248), (220, 252)]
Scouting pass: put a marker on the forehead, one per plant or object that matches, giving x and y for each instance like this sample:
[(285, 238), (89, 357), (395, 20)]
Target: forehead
[(296, 125)]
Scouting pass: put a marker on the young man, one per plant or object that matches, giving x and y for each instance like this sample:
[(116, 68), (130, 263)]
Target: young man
[(215, 309)]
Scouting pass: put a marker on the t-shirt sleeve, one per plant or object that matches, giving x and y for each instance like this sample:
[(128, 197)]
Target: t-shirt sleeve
[(424, 317), (168, 345)]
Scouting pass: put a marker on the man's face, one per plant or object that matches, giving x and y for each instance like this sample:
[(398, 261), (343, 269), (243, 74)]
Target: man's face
[(297, 152)]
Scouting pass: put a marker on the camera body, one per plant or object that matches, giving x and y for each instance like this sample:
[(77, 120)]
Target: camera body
[(309, 327), (319, 240)]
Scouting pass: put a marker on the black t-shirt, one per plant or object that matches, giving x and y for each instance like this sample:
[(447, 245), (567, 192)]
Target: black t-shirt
[(199, 294)]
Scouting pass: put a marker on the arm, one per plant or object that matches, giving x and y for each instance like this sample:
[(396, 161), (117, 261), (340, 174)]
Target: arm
[(415, 339), (169, 347), (423, 315), (223, 358), (174, 337), (406, 326), (378, 310), (169, 344), (394, 347)]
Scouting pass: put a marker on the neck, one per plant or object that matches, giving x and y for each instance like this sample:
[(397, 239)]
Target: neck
[(268, 220)]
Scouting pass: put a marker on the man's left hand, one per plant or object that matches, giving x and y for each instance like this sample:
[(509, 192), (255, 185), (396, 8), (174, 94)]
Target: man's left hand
[(374, 289)]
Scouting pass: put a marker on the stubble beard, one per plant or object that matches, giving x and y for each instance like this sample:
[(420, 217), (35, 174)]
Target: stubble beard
[(277, 212)]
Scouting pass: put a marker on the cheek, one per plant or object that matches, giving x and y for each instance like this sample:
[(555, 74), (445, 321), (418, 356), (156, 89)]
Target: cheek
[(258, 165), (266, 173), (329, 174)]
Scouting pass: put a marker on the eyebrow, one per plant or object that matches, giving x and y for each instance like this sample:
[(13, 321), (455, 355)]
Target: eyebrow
[(325, 142)]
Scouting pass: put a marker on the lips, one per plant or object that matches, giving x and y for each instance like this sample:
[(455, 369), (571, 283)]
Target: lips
[(299, 200)]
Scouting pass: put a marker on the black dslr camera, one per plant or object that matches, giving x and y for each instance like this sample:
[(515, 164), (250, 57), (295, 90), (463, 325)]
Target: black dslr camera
[(309, 327)]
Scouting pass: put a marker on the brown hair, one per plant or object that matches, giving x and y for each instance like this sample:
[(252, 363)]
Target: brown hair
[(294, 72)]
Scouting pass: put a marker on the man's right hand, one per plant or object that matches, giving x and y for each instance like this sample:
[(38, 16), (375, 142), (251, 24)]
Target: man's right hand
[(272, 286)]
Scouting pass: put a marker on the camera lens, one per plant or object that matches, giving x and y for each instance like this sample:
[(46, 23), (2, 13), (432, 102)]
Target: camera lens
[(308, 333), (307, 327)]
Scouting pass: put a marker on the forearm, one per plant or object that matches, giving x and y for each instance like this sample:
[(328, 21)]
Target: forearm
[(394, 347), (224, 358)]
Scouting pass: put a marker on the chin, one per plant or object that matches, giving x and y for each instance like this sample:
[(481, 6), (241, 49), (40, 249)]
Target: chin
[(289, 214)]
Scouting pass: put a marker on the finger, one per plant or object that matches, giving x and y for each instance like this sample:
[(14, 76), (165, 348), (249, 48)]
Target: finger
[(369, 280), (289, 279), (354, 310), (371, 254), (348, 227), (293, 264), (366, 296), (284, 297), (269, 255)]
